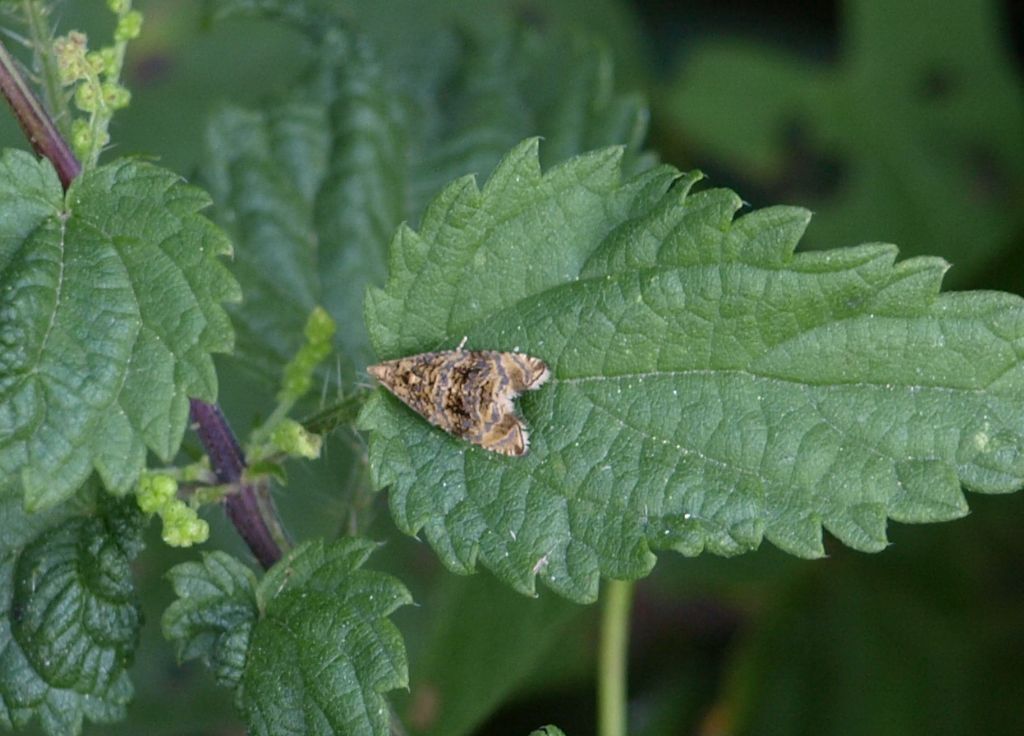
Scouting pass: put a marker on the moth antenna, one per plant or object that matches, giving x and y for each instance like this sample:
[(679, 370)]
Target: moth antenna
[(462, 344)]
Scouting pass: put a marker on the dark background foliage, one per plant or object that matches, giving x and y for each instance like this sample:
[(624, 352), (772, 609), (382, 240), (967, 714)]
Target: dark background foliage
[(897, 122)]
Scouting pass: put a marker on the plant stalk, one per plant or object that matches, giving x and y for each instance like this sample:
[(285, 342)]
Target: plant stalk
[(251, 507), (612, 658), (37, 125), (37, 17), (341, 414)]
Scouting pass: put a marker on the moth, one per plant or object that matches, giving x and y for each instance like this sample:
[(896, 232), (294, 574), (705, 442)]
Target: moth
[(467, 393)]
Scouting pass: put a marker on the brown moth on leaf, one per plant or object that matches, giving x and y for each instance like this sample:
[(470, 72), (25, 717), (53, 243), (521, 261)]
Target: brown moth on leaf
[(467, 393)]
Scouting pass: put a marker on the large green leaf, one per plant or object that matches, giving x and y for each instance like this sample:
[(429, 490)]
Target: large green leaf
[(309, 648), (709, 387), (312, 186), (913, 135), (311, 189), (69, 619), (110, 308)]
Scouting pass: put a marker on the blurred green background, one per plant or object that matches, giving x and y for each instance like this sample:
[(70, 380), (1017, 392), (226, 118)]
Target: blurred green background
[(899, 121)]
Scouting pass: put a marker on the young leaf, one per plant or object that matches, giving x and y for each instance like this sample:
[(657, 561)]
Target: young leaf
[(312, 187), (70, 619), (709, 387), (109, 311), (309, 647), (548, 731), (213, 616)]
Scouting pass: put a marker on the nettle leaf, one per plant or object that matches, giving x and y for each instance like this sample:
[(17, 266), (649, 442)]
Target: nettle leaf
[(70, 618), (313, 186), (324, 650), (912, 137), (504, 87), (710, 388), (309, 647), (311, 189), (109, 311), (214, 614)]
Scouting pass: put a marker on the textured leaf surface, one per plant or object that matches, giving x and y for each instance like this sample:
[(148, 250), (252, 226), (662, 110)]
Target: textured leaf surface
[(323, 650), (309, 647), (313, 187), (911, 137), (213, 616), (109, 310), (710, 388), (70, 619)]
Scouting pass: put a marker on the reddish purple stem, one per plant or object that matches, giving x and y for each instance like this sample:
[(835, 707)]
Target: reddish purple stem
[(37, 125), (247, 507), (250, 507)]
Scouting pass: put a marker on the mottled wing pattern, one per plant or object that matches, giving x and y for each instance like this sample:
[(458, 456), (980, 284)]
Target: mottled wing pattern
[(468, 393)]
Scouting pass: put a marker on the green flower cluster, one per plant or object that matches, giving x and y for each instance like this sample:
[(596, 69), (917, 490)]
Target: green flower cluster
[(93, 76), (157, 493), (298, 374)]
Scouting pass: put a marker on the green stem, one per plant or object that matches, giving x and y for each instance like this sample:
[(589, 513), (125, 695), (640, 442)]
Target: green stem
[(611, 684), (340, 414), (37, 17)]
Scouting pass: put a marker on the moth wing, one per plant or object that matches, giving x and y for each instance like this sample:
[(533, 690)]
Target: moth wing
[(524, 371), (508, 436)]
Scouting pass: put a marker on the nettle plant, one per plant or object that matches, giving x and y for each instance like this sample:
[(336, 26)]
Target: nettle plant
[(708, 387)]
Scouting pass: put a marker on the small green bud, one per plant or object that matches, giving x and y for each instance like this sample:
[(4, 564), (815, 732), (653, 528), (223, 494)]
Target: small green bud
[(155, 491), (183, 527), (110, 63), (78, 40), (128, 27), (296, 381), (85, 97), (119, 7), (298, 374), (115, 96), (293, 439), (319, 327), (96, 62), (70, 51), (81, 137)]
